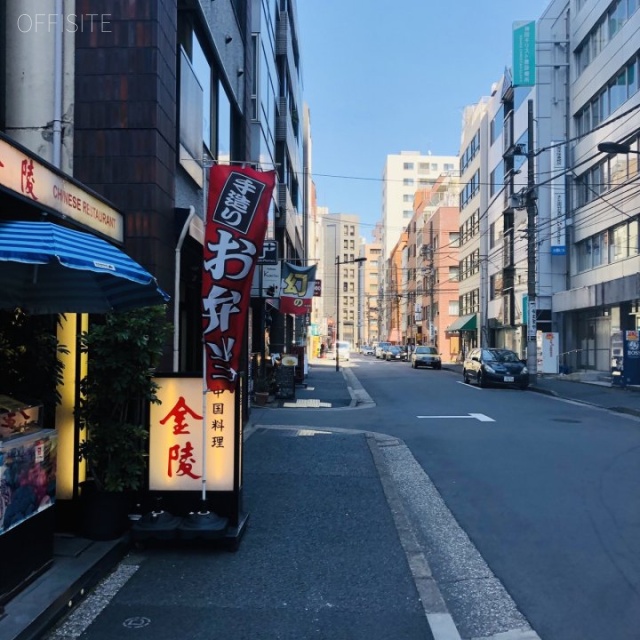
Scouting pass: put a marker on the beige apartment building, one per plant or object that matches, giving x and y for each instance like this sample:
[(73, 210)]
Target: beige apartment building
[(369, 293), (341, 283)]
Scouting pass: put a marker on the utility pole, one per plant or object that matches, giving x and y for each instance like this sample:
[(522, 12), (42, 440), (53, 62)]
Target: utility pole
[(532, 356)]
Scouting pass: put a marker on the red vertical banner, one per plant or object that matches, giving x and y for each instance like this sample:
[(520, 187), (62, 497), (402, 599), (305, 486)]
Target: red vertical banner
[(235, 228)]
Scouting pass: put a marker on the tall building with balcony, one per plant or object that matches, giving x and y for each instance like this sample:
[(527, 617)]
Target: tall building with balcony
[(341, 283), (600, 302), (403, 174), (432, 274), (369, 295), (473, 199), (290, 212)]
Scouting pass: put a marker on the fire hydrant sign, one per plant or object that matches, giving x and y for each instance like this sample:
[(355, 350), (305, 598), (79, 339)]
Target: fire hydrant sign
[(186, 453)]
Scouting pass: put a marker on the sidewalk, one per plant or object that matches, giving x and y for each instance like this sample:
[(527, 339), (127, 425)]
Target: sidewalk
[(312, 497)]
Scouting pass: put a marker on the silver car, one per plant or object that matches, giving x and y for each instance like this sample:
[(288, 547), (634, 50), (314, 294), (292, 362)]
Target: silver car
[(423, 356)]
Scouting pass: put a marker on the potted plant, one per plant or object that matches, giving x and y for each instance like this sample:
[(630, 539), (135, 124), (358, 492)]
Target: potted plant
[(123, 352)]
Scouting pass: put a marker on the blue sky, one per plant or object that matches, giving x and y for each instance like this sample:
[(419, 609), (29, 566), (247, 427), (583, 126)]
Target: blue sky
[(382, 77)]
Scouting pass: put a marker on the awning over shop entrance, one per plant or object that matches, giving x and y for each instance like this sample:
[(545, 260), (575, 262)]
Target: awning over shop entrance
[(464, 323), (47, 268)]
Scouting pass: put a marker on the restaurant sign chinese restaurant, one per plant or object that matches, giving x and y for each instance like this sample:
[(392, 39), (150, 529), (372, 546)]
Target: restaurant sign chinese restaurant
[(196, 431)]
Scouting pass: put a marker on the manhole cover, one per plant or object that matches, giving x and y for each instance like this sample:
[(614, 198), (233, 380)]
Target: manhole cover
[(136, 623)]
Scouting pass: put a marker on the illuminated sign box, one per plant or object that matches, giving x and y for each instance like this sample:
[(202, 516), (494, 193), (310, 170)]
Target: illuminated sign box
[(183, 454)]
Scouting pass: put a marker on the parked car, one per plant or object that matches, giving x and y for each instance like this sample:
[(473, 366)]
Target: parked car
[(424, 356), (367, 350), (495, 366), (381, 348), (393, 353)]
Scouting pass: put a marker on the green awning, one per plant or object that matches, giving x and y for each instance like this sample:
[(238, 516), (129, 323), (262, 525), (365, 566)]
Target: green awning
[(464, 323)]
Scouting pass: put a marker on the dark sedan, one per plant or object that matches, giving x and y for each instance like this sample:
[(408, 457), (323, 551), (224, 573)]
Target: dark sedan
[(394, 353), (495, 366)]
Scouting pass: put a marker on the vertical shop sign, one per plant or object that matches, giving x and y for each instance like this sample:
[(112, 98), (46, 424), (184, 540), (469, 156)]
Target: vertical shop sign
[(235, 229), (524, 54), (558, 200), (296, 288), (186, 454)]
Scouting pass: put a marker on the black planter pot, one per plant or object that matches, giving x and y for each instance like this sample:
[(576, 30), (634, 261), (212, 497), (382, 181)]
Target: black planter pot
[(103, 514)]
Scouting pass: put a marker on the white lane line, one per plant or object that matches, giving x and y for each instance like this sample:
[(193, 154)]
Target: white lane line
[(476, 416), (469, 386)]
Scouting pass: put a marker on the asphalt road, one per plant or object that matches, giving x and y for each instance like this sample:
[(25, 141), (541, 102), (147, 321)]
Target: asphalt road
[(546, 491)]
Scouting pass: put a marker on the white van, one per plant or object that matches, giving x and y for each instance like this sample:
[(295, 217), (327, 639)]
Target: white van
[(343, 349), (381, 348)]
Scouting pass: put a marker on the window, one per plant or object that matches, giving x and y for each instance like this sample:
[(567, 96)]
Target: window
[(495, 286), (496, 126), (407, 197), (454, 274), (407, 213), (408, 182), (434, 166), (454, 307), (454, 239), (496, 179), (448, 166), (618, 243), (618, 90), (408, 166), (617, 17)]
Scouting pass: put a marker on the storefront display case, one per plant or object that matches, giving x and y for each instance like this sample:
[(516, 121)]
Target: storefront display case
[(27, 493)]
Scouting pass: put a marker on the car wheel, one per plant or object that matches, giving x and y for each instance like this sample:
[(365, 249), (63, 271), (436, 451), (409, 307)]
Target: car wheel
[(481, 380), (439, 366), (465, 377), (524, 386)]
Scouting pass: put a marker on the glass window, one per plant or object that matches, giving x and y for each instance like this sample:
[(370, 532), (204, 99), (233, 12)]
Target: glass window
[(408, 182), (224, 126), (408, 166), (633, 237), (618, 90), (454, 239), (618, 245), (632, 77), (617, 17), (584, 255)]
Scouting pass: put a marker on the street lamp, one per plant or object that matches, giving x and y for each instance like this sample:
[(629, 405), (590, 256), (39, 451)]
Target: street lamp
[(616, 147), (338, 264)]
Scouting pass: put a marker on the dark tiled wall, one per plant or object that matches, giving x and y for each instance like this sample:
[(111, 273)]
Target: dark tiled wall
[(125, 119)]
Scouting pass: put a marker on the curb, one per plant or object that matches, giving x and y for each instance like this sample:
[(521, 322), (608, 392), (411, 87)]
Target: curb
[(438, 617), (359, 396)]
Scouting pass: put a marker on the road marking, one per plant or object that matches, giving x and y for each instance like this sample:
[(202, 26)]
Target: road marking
[(469, 386), (476, 416)]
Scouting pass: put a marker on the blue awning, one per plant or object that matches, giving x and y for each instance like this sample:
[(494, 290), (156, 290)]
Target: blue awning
[(47, 268)]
